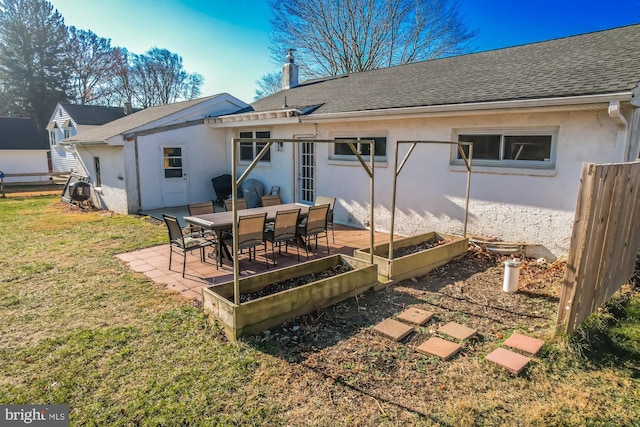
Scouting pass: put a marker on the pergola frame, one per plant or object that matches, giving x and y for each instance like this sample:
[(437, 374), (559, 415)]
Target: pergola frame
[(235, 143), (397, 170)]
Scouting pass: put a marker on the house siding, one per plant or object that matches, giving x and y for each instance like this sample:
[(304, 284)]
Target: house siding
[(24, 161), (513, 204)]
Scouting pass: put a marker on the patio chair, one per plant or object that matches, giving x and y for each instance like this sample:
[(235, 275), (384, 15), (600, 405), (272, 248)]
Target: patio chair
[(228, 204), (331, 201), (271, 200), (180, 243), (283, 230), (314, 226), (251, 234), (201, 209)]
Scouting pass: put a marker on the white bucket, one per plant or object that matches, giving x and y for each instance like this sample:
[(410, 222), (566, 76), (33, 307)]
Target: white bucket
[(511, 275)]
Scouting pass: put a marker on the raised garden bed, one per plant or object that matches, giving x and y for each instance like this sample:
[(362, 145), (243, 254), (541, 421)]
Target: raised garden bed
[(420, 255), (265, 311)]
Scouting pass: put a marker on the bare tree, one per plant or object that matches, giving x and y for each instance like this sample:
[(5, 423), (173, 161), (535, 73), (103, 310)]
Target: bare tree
[(158, 78), (346, 36), (94, 64), (268, 85)]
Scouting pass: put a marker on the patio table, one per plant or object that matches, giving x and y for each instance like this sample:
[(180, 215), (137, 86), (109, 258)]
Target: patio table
[(219, 222)]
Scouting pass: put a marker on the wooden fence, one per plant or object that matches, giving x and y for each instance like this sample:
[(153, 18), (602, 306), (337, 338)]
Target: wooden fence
[(604, 242)]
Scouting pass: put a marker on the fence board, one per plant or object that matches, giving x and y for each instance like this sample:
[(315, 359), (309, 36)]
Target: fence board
[(604, 240)]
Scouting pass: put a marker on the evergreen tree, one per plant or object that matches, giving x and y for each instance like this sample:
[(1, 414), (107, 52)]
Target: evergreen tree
[(33, 69)]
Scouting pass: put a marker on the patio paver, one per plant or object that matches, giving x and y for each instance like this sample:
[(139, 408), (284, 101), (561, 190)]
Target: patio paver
[(393, 329), (415, 315), (439, 347), (526, 344), (511, 361), (457, 331)]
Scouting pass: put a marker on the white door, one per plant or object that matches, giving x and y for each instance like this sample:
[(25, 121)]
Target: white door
[(306, 172), (174, 183)]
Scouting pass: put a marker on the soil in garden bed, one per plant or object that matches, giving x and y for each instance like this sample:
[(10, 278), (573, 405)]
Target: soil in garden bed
[(423, 246), (294, 282)]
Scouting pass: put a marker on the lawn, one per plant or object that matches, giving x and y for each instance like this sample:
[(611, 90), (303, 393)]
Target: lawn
[(79, 328)]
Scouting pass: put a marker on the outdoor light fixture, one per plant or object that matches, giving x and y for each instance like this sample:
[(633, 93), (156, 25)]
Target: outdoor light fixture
[(279, 146)]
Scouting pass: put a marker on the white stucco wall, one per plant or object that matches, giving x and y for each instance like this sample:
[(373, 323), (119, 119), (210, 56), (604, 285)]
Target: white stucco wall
[(111, 194), (204, 156), (24, 161), (535, 206)]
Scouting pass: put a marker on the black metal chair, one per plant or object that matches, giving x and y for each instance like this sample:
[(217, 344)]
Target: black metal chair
[(251, 234), (314, 226), (180, 243), (283, 230)]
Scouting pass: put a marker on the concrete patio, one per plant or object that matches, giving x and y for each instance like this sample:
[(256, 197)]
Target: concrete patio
[(153, 262)]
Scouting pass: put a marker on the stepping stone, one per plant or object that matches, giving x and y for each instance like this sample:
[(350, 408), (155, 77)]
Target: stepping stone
[(457, 331), (393, 329), (513, 362), (415, 315), (438, 347), (528, 345)]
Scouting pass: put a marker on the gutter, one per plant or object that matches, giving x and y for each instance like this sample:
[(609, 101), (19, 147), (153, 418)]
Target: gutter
[(474, 108), (622, 139)]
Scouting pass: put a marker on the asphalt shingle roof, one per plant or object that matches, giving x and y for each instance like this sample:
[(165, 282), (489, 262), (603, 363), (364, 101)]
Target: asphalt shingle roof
[(595, 63), (133, 121), (18, 133), (93, 115)]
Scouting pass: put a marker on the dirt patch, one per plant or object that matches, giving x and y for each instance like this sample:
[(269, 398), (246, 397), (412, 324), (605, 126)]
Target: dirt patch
[(467, 290), (423, 246), (294, 282)]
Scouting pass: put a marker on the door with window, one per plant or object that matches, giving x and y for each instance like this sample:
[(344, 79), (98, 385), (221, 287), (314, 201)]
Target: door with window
[(306, 172), (174, 172)]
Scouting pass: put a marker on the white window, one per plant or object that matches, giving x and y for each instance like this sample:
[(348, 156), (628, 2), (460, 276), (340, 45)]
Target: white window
[(65, 133), (52, 137), (250, 150), (343, 152), (509, 148)]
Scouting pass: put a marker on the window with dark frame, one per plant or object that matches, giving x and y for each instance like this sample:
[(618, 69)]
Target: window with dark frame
[(509, 149), (250, 150), (341, 151)]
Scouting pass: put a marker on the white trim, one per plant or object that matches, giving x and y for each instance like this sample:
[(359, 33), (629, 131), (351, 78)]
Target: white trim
[(546, 104)]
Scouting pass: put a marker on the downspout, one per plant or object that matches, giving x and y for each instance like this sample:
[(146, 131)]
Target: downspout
[(621, 153)]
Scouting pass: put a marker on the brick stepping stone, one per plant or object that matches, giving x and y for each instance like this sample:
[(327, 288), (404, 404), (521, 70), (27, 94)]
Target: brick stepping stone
[(393, 329), (528, 345), (513, 362), (438, 347), (457, 331), (415, 315)]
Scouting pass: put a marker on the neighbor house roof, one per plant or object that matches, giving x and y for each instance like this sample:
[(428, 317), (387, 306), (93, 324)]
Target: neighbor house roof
[(134, 121), (92, 115), (19, 133), (596, 63)]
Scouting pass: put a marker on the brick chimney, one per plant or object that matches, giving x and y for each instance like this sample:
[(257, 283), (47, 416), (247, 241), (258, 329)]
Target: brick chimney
[(289, 72)]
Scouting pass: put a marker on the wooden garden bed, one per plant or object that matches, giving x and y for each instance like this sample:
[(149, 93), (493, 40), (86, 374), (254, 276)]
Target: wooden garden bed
[(270, 310), (441, 248)]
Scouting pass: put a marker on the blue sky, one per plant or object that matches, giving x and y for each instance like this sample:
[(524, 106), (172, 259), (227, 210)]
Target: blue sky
[(227, 41)]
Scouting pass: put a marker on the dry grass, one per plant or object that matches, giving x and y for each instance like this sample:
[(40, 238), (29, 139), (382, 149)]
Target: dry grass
[(79, 328)]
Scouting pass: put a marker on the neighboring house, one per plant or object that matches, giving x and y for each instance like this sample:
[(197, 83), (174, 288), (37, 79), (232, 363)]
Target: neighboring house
[(71, 119), (23, 150), (535, 113), (157, 157)]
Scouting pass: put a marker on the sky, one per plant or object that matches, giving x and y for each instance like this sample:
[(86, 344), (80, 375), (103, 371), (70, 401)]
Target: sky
[(227, 41)]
